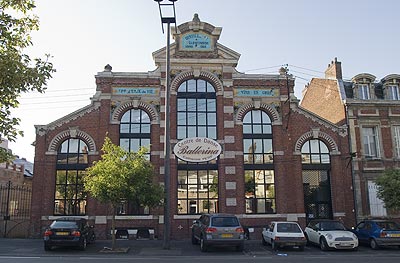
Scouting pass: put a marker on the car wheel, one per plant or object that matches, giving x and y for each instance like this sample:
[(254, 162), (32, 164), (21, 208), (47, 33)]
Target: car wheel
[(83, 244), (194, 240), (240, 248), (203, 246), (273, 245), (47, 248), (323, 245), (373, 244), (263, 242)]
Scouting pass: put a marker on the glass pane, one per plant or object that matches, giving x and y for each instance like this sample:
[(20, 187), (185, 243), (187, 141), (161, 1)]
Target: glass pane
[(73, 145), (315, 158), (124, 143), (247, 118), (135, 116), (181, 118), (202, 131), (61, 177), (145, 143), (265, 118), (192, 117), (305, 148), (72, 158), (256, 116), (71, 177), (324, 149), (135, 145), (257, 145), (201, 119), (267, 145), (182, 87), (305, 158), (314, 146), (267, 129), (70, 192), (181, 104), (211, 105), (62, 158), (212, 118), (257, 129), (124, 128), (191, 104), (182, 177), (212, 133), (145, 128), (126, 117), (64, 147), (260, 191), (145, 117), (325, 158), (261, 206), (192, 132), (269, 177), (201, 85), (135, 128), (60, 192), (201, 105), (191, 85), (210, 88), (247, 146), (181, 132), (247, 129)]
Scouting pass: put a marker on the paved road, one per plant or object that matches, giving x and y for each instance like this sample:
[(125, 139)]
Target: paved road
[(31, 250)]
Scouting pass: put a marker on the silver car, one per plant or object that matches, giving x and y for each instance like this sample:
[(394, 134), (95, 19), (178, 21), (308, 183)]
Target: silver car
[(218, 230)]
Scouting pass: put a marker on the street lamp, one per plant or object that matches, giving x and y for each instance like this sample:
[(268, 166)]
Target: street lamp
[(168, 16)]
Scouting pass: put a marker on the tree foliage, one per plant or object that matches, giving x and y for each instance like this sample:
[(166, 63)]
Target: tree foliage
[(389, 188), (18, 72), (122, 175)]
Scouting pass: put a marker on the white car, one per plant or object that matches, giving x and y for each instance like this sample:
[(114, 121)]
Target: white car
[(330, 234), (284, 234)]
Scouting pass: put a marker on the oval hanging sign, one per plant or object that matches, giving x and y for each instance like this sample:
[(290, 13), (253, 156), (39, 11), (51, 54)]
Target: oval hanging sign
[(197, 149)]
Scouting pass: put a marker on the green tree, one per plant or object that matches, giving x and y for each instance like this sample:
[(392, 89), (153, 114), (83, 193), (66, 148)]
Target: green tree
[(389, 188), (18, 72), (122, 175)]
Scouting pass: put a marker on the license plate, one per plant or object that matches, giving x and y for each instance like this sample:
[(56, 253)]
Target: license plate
[(394, 235), (62, 233), (226, 235)]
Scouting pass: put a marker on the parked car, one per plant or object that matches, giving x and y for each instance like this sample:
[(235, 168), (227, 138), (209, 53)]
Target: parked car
[(282, 234), (69, 231), (218, 230), (378, 233), (330, 234)]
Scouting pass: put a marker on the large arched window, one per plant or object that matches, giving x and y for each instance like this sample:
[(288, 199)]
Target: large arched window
[(197, 117), (134, 132), (72, 160), (258, 163), (316, 179)]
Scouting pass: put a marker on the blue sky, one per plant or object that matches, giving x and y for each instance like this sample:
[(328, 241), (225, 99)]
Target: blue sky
[(85, 35)]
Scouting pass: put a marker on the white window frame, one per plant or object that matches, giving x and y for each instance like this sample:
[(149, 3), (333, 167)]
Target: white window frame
[(376, 205), (371, 140), (396, 140), (364, 92), (393, 92)]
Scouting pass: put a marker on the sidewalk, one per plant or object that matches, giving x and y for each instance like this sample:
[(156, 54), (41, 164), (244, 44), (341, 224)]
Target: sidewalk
[(21, 247)]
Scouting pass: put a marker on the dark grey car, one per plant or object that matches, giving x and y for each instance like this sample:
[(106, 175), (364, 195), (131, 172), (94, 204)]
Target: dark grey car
[(218, 230)]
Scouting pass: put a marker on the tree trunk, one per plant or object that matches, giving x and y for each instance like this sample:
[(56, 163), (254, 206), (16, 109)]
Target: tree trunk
[(113, 227)]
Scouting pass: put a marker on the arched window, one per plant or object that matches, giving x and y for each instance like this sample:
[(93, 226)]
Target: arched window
[(258, 163), (197, 117), (316, 179), (72, 160), (134, 132)]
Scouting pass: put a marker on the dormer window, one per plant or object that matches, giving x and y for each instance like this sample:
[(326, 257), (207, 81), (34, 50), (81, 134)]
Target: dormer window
[(363, 92), (393, 92)]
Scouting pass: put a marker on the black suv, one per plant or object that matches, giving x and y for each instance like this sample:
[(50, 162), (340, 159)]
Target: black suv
[(69, 231), (218, 230)]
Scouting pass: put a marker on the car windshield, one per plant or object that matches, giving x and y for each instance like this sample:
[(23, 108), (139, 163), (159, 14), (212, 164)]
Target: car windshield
[(388, 225), (225, 221), (331, 225), (288, 228), (64, 224)]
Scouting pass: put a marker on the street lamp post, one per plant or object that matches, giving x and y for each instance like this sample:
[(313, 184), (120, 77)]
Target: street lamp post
[(167, 18)]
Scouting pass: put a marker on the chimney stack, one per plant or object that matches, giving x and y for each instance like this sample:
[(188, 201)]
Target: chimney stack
[(334, 70)]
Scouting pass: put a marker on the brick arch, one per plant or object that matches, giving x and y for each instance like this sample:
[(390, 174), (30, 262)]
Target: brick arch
[(206, 75), (271, 111), (326, 138), (121, 109), (71, 133)]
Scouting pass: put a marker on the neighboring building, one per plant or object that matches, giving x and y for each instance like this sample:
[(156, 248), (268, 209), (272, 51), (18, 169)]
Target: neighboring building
[(372, 111), (15, 197), (278, 161)]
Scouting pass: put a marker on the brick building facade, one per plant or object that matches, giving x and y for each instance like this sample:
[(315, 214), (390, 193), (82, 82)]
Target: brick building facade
[(371, 110), (278, 161)]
